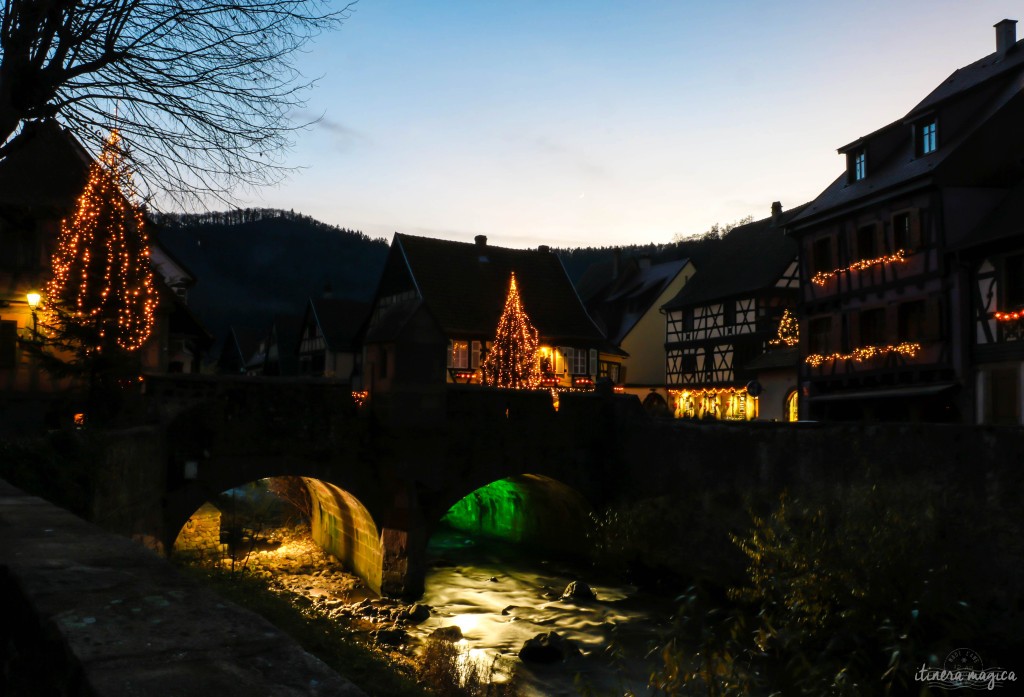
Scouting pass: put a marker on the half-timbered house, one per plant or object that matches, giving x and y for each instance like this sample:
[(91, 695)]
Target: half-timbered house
[(885, 305), (994, 253), (723, 320), (437, 308)]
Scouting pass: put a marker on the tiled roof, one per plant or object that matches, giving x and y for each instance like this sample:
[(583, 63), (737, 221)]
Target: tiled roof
[(46, 167), (749, 258), (971, 76), (891, 161), (464, 286), (341, 320), (623, 302)]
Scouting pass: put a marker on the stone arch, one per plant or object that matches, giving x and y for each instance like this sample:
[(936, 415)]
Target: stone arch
[(525, 508), (655, 405), (341, 525)]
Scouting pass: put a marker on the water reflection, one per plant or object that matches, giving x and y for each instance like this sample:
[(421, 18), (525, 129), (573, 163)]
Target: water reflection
[(500, 597)]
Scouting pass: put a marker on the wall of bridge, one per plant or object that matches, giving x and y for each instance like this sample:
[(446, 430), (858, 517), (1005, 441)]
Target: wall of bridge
[(392, 482)]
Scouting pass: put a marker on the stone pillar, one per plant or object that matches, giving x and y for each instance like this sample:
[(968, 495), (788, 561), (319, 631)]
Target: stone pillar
[(403, 566)]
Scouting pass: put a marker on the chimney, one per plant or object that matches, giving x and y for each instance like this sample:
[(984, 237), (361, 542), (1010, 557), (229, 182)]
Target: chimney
[(543, 248), (1006, 36), (481, 246), (776, 212)]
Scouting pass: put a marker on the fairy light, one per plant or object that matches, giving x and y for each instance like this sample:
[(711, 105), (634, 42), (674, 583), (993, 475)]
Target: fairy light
[(1009, 316), (102, 276), (789, 331), (360, 397), (906, 349), (512, 361), (822, 277)]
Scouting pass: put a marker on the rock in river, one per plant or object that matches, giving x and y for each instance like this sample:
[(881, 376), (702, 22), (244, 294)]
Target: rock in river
[(578, 590), (548, 648)]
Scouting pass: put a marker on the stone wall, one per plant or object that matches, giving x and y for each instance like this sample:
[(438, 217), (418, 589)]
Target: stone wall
[(344, 528), (201, 534), (90, 613)]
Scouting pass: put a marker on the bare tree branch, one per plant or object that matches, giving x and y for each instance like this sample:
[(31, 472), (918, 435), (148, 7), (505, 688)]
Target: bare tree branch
[(201, 90)]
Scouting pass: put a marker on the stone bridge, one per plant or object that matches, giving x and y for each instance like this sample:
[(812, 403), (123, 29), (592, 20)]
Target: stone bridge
[(383, 475)]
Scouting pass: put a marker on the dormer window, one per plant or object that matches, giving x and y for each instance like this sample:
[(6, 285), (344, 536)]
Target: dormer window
[(927, 136), (858, 160)]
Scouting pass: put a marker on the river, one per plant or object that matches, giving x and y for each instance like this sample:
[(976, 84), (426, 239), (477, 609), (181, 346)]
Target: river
[(500, 596)]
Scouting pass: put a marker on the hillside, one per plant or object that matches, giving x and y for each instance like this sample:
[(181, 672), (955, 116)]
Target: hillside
[(256, 263)]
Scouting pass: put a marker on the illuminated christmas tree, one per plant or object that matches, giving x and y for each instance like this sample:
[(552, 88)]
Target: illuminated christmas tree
[(512, 361), (100, 303), (101, 297)]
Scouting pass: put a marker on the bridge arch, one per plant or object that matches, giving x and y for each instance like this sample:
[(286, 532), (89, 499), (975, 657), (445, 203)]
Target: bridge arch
[(532, 509), (340, 524)]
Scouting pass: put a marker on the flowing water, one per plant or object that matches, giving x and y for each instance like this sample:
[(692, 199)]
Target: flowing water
[(500, 597)]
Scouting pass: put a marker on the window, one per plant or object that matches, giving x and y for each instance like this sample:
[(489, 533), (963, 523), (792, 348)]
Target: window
[(872, 327), (905, 232), (579, 363), (819, 335), (793, 406), (926, 137), (867, 242), (858, 164), (912, 321), (610, 371), (1013, 282), (821, 255), (458, 354), (8, 345)]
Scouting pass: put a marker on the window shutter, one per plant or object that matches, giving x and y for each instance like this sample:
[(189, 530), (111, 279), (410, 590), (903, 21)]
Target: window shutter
[(915, 230), (474, 356), (593, 363), (451, 354)]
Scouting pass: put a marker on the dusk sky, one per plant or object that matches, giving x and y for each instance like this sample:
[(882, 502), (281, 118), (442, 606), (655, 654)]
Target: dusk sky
[(594, 123)]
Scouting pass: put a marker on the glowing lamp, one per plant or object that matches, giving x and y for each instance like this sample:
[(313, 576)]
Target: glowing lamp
[(33, 298)]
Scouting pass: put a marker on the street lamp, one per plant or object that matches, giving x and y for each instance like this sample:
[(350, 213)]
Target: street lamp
[(32, 298)]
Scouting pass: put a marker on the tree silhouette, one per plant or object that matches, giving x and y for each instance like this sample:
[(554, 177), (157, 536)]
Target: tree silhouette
[(512, 361), (203, 90)]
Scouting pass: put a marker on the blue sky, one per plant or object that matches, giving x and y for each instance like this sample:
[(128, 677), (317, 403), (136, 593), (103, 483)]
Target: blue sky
[(596, 123)]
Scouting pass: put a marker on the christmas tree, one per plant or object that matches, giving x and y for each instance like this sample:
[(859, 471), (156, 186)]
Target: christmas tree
[(100, 302), (101, 297), (512, 360)]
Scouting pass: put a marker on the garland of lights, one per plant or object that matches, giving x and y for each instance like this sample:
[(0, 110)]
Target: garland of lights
[(822, 277), (906, 349), (102, 278), (512, 361), (1009, 316), (789, 331)]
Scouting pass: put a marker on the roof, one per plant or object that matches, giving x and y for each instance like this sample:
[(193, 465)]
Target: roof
[(464, 286), (749, 258), (45, 167), (891, 162), (340, 320), (970, 76), (625, 300)]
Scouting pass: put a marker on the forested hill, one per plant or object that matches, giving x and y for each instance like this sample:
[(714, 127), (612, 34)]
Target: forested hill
[(253, 264)]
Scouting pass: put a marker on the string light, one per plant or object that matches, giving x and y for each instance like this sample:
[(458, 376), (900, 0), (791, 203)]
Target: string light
[(512, 361), (1009, 316), (906, 349), (360, 397), (822, 277), (102, 278), (789, 331)]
